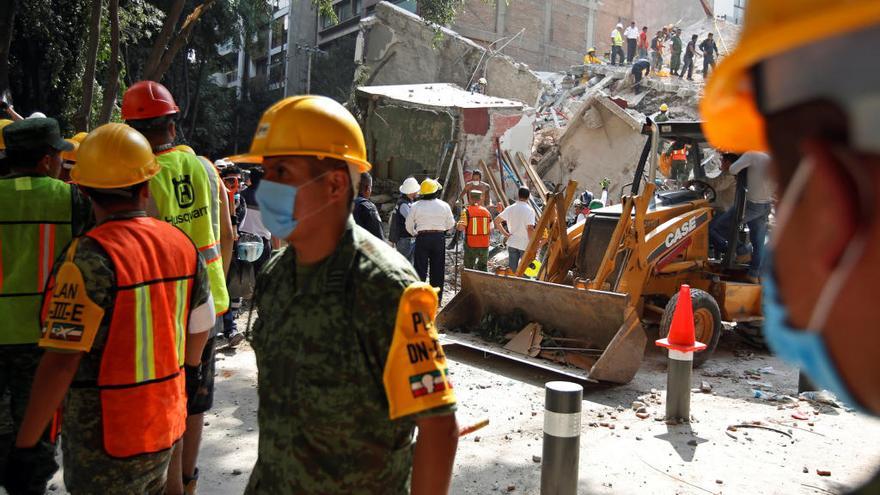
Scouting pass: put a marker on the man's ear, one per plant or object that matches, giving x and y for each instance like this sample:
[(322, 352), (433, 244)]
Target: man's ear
[(172, 130), (341, 185), (832, 183)]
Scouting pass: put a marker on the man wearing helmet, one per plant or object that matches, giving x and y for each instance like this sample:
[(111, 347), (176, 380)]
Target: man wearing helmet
[(338, 308), (823, 133)]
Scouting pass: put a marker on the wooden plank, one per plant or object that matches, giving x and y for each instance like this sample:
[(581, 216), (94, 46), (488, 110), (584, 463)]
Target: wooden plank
[(535, 178), (493, 183)]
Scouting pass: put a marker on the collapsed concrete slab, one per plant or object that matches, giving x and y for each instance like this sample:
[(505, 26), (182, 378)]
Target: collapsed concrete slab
[(413, 130), (602, 140), (399, 47)]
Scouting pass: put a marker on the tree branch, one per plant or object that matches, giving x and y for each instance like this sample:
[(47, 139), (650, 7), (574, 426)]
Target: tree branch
[(179, 42), (82, 118), (112, 85), (162, 39)]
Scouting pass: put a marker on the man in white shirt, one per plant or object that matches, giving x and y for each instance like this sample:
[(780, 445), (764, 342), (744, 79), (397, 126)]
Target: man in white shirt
[(632, 37), (521, 220), (759, 200), (428, 221)]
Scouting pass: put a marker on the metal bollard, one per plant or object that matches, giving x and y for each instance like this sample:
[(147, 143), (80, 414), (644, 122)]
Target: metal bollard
[(562, 438), (678, 385)]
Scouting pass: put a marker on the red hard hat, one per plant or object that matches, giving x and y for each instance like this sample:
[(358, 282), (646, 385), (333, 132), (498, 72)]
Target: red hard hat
[(147, 100)]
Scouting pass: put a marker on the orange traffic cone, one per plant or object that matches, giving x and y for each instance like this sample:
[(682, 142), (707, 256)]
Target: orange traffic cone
[(681, 333)]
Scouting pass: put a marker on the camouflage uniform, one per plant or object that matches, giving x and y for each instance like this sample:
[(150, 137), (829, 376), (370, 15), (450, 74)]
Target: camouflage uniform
[(87, 468), (322, 341)]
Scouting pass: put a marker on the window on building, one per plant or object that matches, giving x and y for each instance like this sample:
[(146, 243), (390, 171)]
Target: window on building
[(279, 31), (277, 67), (261, 66), (343, 10), (409, 5), (358, 4)]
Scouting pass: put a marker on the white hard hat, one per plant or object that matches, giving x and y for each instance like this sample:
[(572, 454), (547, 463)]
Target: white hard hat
[(483, 81), (619, 25), (37, 115), (410, 186)]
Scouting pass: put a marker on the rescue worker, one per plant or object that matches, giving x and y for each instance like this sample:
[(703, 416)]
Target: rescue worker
[(429, 219), (657, 52), (187, 192), (709, 49), (475, 222), (820, 278), (476, 183), (617, 45), (397, 233), (643, 43), (675, 55), (131, 282), (479, 87), (365, 213), (632, 37), (253, 221), (39, 215), (591, 58), (663, 116), (680, 170), (640, 69), (337, 309), (521, 220), (69, 157), (689, 52), (232, 179)]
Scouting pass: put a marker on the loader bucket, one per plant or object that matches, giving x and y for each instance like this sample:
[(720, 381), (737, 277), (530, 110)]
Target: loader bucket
[(603, 320)]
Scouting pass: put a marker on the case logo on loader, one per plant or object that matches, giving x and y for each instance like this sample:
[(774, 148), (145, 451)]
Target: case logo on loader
[(681, 232)]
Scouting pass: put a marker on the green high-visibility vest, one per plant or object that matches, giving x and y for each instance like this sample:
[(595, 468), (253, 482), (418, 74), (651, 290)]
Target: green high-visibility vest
[(35, 225), (186, 197)]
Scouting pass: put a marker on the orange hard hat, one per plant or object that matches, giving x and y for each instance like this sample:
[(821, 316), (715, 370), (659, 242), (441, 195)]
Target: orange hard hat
[(147, 100), (731, 120)]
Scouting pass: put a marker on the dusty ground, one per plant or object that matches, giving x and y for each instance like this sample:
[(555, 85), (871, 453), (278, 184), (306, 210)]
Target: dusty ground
[(635, 456)]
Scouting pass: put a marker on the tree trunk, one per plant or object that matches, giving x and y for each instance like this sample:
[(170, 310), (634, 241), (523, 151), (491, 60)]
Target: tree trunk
[(180, 41), (194, 108), (83, 116), (7, 21), (171, 18), (112, 85)]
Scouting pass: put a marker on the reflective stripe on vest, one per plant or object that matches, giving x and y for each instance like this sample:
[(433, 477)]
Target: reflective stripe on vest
[(214, 182), (143, 399), (618, 39), (35, 225), (183, 194), (679, 155), (478, 226)]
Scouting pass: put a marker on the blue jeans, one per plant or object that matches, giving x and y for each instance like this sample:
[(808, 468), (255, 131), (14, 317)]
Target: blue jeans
[(513, 257), (406, 246), (755, 217)]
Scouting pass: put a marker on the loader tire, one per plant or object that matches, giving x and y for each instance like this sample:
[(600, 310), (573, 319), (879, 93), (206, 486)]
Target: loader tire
[(707, 322)]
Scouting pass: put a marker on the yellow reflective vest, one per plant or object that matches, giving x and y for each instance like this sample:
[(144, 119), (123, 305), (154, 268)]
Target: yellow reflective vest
[(617, 37), (186, 196)]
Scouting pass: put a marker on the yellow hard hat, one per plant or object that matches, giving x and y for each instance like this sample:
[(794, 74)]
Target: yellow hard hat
[(310, 126), (77, 138), (429, 186), (591, 50), (664, 108), (3, 123), (731, 119), (185, 149), (112, 156)]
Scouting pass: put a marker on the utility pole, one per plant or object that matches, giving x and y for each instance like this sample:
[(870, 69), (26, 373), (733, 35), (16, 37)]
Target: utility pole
[(311, 50)]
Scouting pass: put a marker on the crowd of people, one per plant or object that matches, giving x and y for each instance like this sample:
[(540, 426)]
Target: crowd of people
[(648, 54)]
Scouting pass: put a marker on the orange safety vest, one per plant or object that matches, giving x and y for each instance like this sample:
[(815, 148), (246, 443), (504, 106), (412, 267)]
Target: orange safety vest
[(679, 155), (478, 226), (143, 398)]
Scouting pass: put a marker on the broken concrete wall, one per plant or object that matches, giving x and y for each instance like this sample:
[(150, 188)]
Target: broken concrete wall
[(512, 129), (403, 141), (401, 48), (602, 140)]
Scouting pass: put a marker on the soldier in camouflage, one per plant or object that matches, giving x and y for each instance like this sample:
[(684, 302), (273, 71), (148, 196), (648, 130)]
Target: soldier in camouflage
[(348, 358)]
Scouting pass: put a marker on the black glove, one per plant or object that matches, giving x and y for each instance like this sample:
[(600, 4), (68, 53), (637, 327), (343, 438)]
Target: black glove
[(19, 469), (193, 379)]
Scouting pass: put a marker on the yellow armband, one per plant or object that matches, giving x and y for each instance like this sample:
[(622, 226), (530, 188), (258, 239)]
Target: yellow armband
[(415, 375), (70, 318)]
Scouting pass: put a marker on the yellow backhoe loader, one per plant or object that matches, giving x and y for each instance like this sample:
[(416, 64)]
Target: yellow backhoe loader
[(615, 275)]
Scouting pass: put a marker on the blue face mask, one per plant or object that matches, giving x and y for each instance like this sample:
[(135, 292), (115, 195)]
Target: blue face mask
[(276, 207), (801, 347)]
